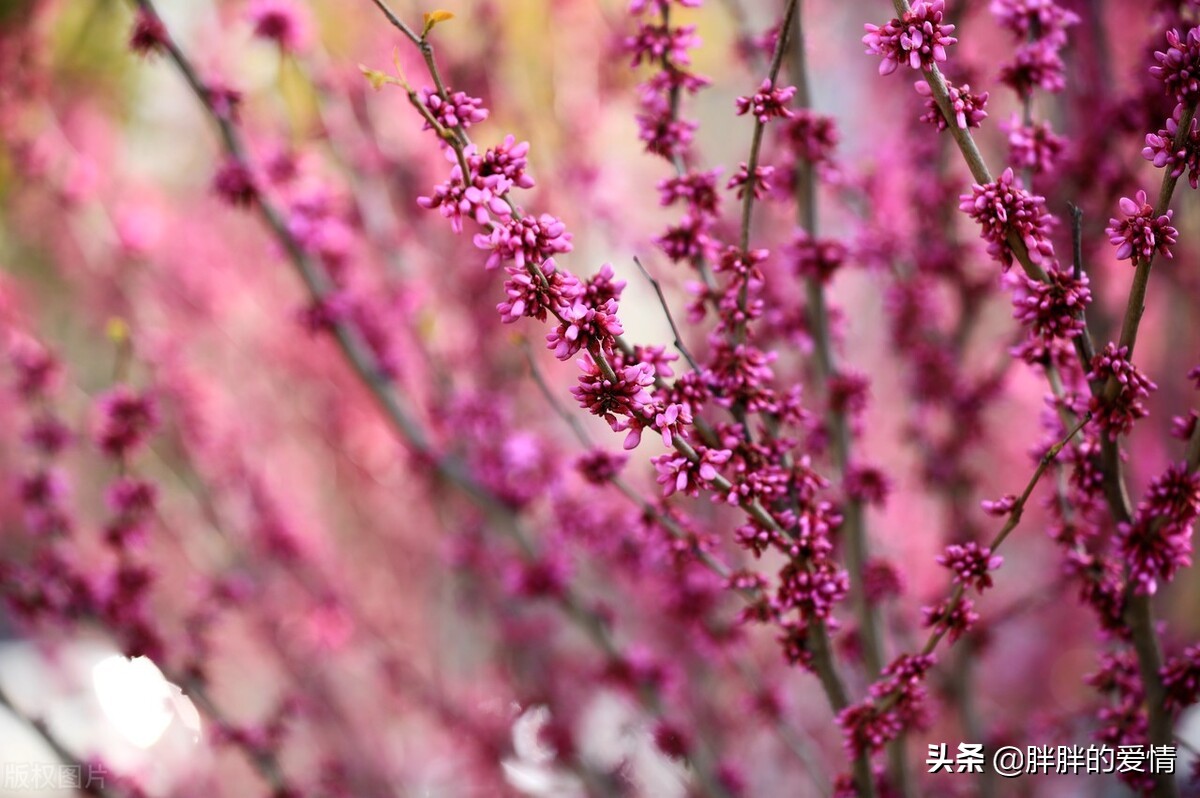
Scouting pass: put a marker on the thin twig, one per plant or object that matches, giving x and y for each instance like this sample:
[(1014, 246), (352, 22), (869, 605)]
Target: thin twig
[(662, 300), (856, 549), (571, 419), (1014, 518), (379, 384), (1140, 615), (397, 22), (785, 29)]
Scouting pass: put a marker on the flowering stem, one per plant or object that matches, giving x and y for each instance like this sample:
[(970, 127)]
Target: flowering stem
[(826, 671), (1014, 518), (262, 760), (1140, 610), (662, 301), (1085, 348), (970, 150), (818, 312), (383, 390), (1139, 614), (677, 161), (785, 29), (839, 426), (1136, 305), (753, 507), (400, 674), (854, 529)]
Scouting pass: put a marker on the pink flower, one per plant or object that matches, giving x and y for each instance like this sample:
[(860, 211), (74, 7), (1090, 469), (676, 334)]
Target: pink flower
[(1053, 308), (688, 240), (867, 484), (1001, 507), (812, 590), (1002, 208), (672, 421), (971, 564), (662, 43), (953, 621), (1036, 64), (1140, 234), (456, 200), (1158, 542), (37, 370), (458, 109), (1178, 66), (1034, 147), (131, 497), (919, 39), (664, 135), (506, 162), (43, 495), (816, 258), (625, 395), (534, 297), (677, 473), (1181, 679), (767, 103), (48, 435), (1161, 148), (1046, 17), (224, 100), (697, 189), (235, 183), (125, 419), (1116, 417), (881, 580), (528, 240), (812, 137), (148, 34), (761, 183), (584, 326), (967, 107), (280, 21), (866, 727), (600, 467)]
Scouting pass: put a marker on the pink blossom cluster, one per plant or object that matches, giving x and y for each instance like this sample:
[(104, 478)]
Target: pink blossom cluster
[(776, 431)]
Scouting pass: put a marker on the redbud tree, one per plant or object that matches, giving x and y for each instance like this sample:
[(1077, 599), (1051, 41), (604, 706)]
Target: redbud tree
[(575, 397)]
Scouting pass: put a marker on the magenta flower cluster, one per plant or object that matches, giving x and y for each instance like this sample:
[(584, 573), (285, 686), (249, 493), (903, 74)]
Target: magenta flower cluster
[(1053, 308), (1117, 415), (971, 564), (1178, 66), (1142, 232), (769, 102), (918, 39), (968, 107), (1176, 148), (1158, 542), (768, 530), (1004, 209)]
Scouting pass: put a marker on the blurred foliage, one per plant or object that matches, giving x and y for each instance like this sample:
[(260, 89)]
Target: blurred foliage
[(88, 44)]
